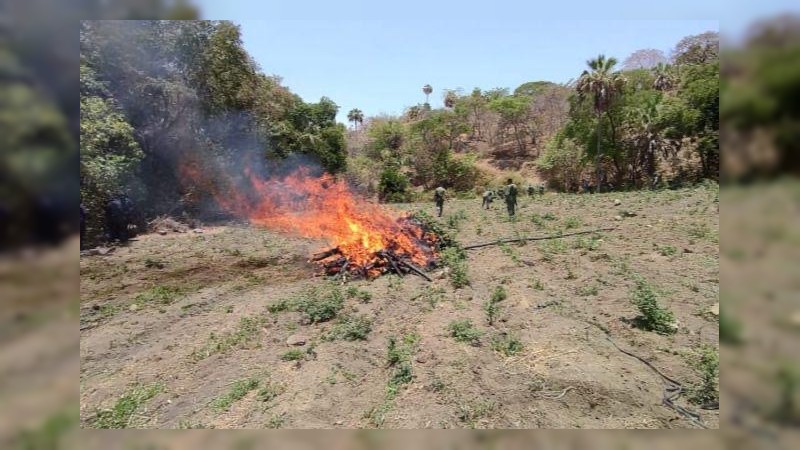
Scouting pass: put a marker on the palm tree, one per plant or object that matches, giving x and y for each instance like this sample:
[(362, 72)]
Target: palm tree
[(603, 84), (450, 99), (427, 89), (356, 116), (665, 79)]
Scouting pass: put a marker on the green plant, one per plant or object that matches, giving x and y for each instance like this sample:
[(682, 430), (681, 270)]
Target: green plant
[(507, 345), (454, 221), (293, 355), (432, 295), (402, 375), (246, 334), (393, 185), (397, 353), (362, 296), (499, 294), (464, 331), (320, 305), (590, 244), (492, 309), (667, 250), (491, 306), (276, 421), (572, 222), (269, 392), (351, 328), (471, 412), (654, 317), (456, 260), (121, 414), (587, 290), (280, 306), (239, 389), (162, 295), (537, 284), (707, 391)]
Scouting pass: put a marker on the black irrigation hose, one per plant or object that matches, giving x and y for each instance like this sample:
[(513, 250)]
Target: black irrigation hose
[(536, 238), (672, 390)]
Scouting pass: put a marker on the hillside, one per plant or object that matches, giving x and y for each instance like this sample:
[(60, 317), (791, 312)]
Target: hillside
[(197, 329)]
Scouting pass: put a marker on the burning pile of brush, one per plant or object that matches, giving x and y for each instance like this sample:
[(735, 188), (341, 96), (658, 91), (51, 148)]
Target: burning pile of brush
[(365, 239), (395, 257)]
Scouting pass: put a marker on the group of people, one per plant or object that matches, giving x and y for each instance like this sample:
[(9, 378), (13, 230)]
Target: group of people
[(508, 193)]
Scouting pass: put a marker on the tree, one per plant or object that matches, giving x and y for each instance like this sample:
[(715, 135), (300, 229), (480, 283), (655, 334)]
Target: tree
[(664, 77), (603, 85), (513, 113), (644, 59), (450, 98), (697, 49), (356, 116), (427, 89), (533, 88)]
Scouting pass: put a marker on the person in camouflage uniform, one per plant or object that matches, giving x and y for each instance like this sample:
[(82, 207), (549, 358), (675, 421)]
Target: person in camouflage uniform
[(438, 197), (531, 190), (511, 197), (488, 196)]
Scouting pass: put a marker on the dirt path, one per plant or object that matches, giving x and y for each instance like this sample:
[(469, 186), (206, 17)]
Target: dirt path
[(178, 324)]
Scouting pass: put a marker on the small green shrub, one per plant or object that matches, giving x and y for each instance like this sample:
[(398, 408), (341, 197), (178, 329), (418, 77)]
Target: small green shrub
[(351, 328), (121, 414), (280, 306), (464, 331), (572, 222), (507, 345), (237, 392), (161, 295), (667, 250), (293, 355), (456, 260), (362, 296), (707, 391), (320, 305), (454, 221), (654, 317), (492, 306)]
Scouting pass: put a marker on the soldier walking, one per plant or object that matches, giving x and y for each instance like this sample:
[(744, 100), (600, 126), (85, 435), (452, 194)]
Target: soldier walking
[(511, 197), (438, 197)]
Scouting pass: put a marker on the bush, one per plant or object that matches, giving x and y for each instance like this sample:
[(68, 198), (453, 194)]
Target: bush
[(351, 328), (320, 305), (393, 186), (562, 164), (464, 331), (456, 259), (507, 345), (707, 391), (492, 307), (654, 317)]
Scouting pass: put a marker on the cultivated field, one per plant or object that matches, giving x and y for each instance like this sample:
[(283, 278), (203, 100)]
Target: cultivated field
[(196, 330)]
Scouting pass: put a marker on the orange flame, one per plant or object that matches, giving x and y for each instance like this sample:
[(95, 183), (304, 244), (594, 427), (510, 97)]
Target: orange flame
[(324, 207)]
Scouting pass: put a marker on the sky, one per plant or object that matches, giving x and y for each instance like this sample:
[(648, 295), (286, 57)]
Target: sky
[(376, 56)]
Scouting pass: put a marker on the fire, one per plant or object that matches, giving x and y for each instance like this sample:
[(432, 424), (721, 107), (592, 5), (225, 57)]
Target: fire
[(361, 233)]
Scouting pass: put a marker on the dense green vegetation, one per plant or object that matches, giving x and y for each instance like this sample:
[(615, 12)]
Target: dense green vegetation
[(156, 95), (658, 117)]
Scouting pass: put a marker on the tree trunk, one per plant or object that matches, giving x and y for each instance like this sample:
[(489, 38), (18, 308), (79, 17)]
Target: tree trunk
[(597, 156)]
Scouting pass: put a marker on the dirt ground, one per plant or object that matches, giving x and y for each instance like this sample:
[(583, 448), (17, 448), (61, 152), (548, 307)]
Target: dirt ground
[(174, 325)]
